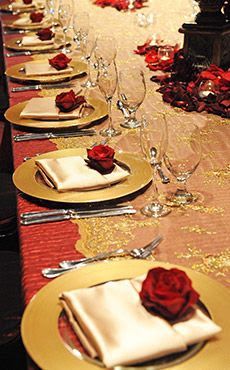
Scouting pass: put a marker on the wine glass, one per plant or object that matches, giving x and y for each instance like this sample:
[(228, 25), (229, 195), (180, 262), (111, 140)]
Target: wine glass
[(64, 16), (88, 45), (131, 91), (51, 7), (105, 50), (182, 157), (153, 139), (107, 82), (80, 27)]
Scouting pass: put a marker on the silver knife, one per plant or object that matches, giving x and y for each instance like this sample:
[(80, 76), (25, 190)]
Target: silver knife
[(51, 135), (76, 215), (55, 212), (43, 86), (28, 53)]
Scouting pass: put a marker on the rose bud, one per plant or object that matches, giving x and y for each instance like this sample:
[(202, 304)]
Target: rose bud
[(68, 101), (168, 293), (101, 158), (36, 17), (45, 34), (27, 2), (60, 61)]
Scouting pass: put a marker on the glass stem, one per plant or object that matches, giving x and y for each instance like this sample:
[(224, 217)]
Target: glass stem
[(109, 101), (132, 115), (155, 195), (88, 69), (181, 187), (65, 38)]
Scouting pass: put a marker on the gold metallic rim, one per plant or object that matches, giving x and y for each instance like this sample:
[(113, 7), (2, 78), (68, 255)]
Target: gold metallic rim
[(12, 45), (40, 329), (100, 110), (25, 180), (37, 26), (13, 72)]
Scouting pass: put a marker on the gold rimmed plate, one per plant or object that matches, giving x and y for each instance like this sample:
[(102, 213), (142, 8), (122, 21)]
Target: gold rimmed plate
[(99, 111), (17, 72), (30, 26), (8, 8), (27, 179), (44, 310), (15, 44)]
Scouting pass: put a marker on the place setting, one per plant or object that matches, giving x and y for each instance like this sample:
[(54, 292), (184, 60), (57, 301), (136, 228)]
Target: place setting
[(21, 6), (186, 334), (82, 176)]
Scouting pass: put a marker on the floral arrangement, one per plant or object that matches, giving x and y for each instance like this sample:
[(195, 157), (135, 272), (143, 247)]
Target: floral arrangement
[(60, 61), (68, 101), (36, 17), (120, 4), (181, 86), (101, 158), (168, 293), (45, 34)]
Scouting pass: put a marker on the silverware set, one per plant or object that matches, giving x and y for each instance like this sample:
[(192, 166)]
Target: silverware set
[(43, 86), (65, 266), (33, 218), (51, 135)]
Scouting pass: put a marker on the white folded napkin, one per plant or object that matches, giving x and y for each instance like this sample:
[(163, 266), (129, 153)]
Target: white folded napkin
[(25, 21), (35, 41), (44, 69), (70, 173), (46, 109), (112, 324), (19, 4)]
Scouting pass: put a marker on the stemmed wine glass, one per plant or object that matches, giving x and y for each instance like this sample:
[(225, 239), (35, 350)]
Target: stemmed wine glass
[(80, 27), (153, 139), (88, 45), (51, 7), (182, 157), (131, 91), (105, 50), (107, 82), (64, 16)]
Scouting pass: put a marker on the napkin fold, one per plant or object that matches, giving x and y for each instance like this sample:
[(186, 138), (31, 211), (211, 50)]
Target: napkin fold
[(35, 41), (115, 325), (21, 5), (44, 69), (25, 21), (68, 173), (46, 109)]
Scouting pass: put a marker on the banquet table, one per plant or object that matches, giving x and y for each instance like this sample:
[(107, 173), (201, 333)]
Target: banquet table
[(195, 236)]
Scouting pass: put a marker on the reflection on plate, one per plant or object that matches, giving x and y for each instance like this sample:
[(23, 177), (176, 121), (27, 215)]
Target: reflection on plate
[(17, 72), (27, 179), (100, 110), (44, 310), (14, 44)]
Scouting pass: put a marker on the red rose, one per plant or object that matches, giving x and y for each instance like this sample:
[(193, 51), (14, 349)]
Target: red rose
[(101, 158), (68, 101), (27, 2), (169, 293), (45, 34), (36, 17), (60, 61)]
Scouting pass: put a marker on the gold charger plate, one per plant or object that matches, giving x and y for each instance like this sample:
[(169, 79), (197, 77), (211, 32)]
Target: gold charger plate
[(40, 320), (35, 26), (12, 44), (9, 9), (16, 72), (27, 179), (100, 110)]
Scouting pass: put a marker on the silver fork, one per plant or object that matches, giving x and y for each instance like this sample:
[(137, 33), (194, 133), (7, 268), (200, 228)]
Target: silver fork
[(140, 253)]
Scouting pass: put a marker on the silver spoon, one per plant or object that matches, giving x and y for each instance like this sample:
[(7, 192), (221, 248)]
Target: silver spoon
[(164, 179)]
